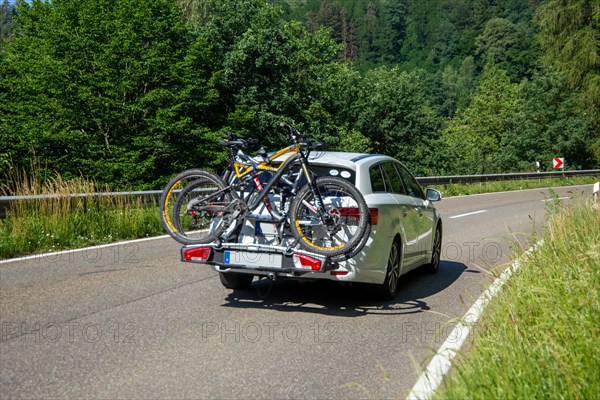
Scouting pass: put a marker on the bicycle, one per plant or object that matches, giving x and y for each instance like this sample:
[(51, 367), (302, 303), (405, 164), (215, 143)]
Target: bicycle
[(325, 215)]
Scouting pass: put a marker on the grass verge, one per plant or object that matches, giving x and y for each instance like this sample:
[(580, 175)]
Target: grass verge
[(539, 338), (66, 223), (461, 189)]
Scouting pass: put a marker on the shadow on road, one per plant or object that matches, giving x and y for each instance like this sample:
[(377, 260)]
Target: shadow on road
[(330, 298)]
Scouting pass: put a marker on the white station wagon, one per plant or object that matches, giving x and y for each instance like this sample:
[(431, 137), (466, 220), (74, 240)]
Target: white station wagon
[(406, 232)]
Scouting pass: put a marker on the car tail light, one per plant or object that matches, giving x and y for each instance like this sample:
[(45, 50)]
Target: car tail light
[(306, 262), (353, 212), (339, 273), (374, 215), (201, 254)]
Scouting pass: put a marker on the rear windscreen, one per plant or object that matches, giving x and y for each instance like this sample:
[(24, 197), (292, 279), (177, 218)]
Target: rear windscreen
[(328, 170), (320, 171)]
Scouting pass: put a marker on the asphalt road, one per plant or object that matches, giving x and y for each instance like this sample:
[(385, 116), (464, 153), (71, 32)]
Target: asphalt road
[(131, 320)]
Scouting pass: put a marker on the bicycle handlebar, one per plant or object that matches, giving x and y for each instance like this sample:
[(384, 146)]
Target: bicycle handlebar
[(237, 143), (241, 144), (293, 133)]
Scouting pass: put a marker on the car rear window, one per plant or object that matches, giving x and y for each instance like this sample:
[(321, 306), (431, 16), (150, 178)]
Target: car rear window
[(329, 170), (412, 186), (326, 170), (393, 179), (377, 179)]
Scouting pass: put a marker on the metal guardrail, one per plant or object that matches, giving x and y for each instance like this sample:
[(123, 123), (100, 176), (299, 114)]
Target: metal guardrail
[(442, 180), (429, 180), (140, 193)]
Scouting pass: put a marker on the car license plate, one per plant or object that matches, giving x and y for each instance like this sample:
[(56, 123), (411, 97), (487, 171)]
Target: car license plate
[(251, 259)]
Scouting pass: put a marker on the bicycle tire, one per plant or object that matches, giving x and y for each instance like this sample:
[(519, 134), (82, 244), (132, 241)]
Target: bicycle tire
[(191, 227), (349, 214)]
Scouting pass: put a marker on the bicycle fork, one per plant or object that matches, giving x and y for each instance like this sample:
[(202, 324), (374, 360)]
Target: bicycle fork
[(319, 207)]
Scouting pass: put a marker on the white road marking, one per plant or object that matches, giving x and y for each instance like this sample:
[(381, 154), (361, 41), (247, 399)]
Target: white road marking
[(467, 214), (560, 198), (440, 364), (102, 246)]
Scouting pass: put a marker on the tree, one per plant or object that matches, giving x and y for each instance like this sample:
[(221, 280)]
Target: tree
[(335, 17), (546, 125), (506, 45), (570, 38), (7, 20), (393, 111), (421, 19), (270, 74), (473, 139), (458, 86), (102, 88), (396, 13), (197, 12)]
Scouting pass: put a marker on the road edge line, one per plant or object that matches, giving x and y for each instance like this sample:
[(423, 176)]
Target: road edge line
[(100, 246), (440, 364)]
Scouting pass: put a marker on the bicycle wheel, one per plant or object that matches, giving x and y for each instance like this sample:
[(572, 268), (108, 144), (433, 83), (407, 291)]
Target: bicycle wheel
[(345, 222), (193, 207)]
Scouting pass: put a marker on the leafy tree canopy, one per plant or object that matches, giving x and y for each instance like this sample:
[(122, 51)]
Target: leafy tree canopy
[(129, 92)]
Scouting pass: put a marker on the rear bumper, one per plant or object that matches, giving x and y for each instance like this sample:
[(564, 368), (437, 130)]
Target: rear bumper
[(258, 259)]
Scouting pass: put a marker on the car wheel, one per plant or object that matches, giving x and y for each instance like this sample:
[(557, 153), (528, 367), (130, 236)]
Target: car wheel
[(389, 289), (434, 265), (235, 280)]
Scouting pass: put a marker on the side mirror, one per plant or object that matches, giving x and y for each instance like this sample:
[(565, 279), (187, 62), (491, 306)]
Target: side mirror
[(433, 195)]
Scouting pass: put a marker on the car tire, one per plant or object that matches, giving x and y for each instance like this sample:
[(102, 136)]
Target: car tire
[(434, 266), (235, 280), (389, 289)]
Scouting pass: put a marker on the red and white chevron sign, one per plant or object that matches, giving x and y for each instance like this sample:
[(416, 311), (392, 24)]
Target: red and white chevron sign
[(558, 162)]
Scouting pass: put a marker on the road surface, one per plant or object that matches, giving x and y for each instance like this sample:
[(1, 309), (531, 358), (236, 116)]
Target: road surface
[(131, 320)]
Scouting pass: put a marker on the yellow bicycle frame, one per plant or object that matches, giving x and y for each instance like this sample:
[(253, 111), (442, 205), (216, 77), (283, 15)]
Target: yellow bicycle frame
[(242, 169)]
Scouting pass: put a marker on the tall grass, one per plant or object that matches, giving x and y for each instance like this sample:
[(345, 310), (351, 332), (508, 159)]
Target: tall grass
[(540, 338), (64, 221)]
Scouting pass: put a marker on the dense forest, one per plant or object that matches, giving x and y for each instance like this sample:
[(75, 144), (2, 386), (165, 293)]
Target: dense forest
[(128, 92)]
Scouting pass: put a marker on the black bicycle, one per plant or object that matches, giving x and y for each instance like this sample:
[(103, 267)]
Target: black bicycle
[(325, 215)]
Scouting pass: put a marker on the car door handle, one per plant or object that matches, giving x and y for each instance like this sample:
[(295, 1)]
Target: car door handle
[(404, 212)]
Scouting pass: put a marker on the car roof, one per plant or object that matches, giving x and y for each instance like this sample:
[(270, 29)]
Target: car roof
[(343, 159)]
